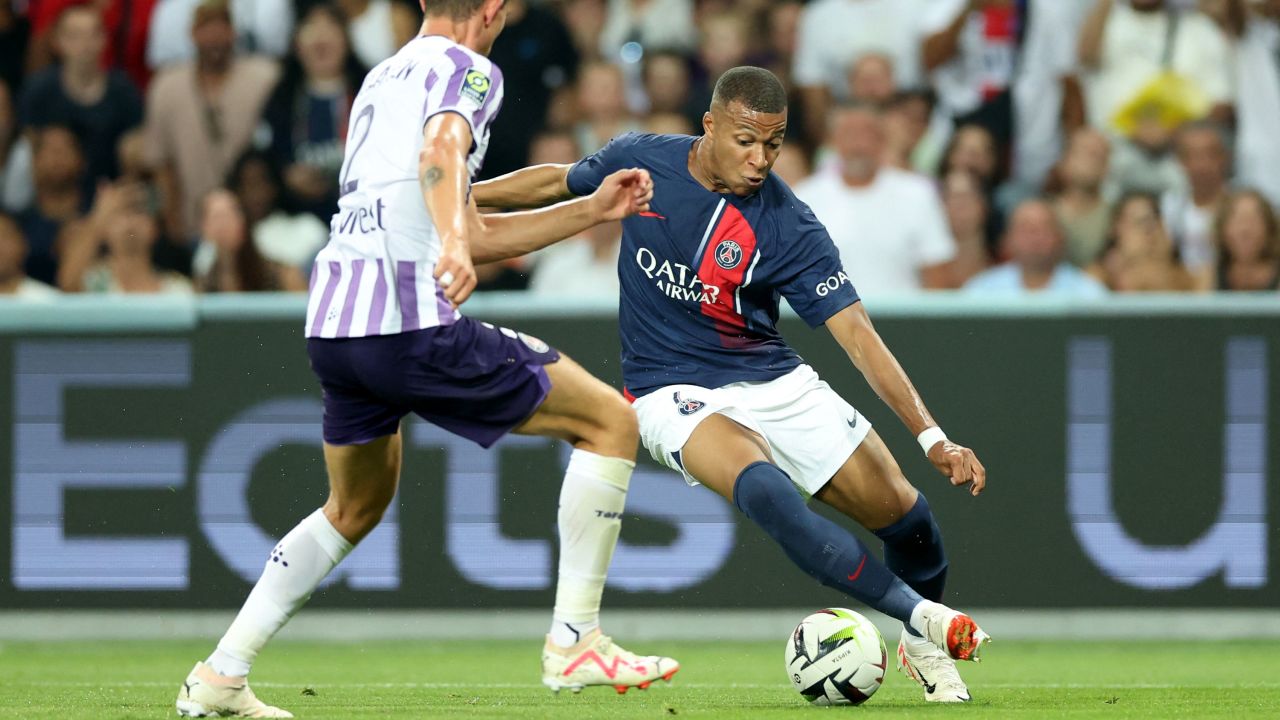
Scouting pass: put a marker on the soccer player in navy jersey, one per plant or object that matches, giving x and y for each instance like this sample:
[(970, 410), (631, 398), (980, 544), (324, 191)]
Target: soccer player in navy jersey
[(386, 339), (723, 400)]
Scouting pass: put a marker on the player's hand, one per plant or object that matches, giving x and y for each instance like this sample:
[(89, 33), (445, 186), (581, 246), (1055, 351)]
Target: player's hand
[(455, 273), (959, 464), (623, 194)]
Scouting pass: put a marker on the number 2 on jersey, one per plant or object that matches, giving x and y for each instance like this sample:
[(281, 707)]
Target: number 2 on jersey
[(366, 114)]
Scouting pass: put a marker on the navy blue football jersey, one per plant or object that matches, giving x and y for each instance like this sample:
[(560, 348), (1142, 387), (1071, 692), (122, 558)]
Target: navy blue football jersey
[(701, 272)]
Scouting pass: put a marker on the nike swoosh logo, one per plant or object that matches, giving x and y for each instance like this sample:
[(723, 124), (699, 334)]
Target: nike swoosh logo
[(929, 687), (858, 572), (652, 215)]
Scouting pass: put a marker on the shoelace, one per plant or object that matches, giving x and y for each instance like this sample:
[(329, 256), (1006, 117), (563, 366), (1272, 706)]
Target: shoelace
[(605, 645)]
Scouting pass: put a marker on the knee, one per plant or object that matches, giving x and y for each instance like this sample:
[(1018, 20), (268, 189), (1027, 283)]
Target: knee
[(355, 518), (764, 493), (614, 430), (626, 426)]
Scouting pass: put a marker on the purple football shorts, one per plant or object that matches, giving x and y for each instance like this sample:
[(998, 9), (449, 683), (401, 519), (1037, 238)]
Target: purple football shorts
[(470, 378)]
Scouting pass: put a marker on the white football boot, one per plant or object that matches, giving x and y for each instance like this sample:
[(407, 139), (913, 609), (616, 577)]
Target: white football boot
[(923, 662), (953, 632), (595, 660), (205, 693)]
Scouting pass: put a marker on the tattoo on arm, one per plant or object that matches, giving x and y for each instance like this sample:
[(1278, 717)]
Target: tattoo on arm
[(432, 176)]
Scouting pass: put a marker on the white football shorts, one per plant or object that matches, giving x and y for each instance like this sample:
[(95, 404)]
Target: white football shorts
[(811, 430)]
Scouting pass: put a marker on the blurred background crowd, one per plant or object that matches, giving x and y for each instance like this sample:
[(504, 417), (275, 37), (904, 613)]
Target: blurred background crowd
[(1073, 147)]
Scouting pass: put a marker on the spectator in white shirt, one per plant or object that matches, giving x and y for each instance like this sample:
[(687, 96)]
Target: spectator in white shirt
[(888, 224), (835, 33), (262, 27), (1153, 66), (1128, 44)]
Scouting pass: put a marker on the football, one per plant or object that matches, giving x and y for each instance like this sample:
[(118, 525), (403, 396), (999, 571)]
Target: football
[(836, 657)]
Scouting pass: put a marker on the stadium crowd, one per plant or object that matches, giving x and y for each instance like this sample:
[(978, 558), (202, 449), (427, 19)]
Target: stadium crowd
[(1075, 147)]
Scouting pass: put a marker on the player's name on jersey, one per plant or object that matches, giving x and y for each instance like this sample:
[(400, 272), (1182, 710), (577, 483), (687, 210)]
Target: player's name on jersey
[(675, 280), (359, 220), (393, 71)]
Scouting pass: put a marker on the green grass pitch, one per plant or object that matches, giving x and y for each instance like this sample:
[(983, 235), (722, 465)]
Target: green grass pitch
[(499, 679)]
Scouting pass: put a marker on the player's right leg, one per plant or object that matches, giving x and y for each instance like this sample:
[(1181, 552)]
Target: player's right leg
[(601, 426)]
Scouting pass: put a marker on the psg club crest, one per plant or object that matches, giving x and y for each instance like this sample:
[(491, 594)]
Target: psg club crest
[(687, 407), (728, 254)]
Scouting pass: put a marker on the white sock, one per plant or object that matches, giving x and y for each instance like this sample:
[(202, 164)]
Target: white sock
[(917, 615), (566, 635), (296, 566), (591, 502)]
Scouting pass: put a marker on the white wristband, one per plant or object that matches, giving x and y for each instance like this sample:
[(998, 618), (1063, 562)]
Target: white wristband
[(930, 437)]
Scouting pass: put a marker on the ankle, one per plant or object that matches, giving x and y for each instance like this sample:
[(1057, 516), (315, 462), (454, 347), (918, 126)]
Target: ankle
[(227, 665), (567, 635)]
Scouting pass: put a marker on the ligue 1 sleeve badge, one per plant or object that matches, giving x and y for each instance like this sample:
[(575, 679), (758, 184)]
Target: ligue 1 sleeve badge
[(728, 254), (475, 85)]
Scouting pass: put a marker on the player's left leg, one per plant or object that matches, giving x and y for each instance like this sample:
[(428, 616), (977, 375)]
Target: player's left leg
[(871, 489), (601, 426)]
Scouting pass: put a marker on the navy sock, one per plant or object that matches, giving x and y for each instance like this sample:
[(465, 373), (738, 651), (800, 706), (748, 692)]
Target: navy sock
[(827, 552), (913, 551)]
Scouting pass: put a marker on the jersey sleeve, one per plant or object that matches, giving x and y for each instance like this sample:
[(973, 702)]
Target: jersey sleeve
[(814, 281), (469, 86), (588, 173)]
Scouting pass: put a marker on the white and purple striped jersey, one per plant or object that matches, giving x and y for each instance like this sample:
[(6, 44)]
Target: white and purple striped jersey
[(374, 277)]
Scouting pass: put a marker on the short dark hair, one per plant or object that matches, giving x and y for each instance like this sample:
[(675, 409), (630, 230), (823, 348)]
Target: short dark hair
[(456, 9), (756, 88)]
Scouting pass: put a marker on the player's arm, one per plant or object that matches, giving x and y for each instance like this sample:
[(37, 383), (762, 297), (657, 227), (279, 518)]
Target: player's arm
[(543, 185), (498, 237), (532, 187), (852, 329), (442, 174)]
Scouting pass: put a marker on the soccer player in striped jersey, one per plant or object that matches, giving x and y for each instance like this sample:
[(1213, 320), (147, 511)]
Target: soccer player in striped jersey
[(721, 397), (386, 338)]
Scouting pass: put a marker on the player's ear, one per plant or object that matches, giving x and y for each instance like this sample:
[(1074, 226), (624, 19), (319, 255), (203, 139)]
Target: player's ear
[(491, 10), (708, 123)]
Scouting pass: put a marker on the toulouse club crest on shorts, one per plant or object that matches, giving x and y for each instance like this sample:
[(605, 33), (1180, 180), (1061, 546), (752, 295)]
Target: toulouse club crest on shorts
[(728, 254)]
